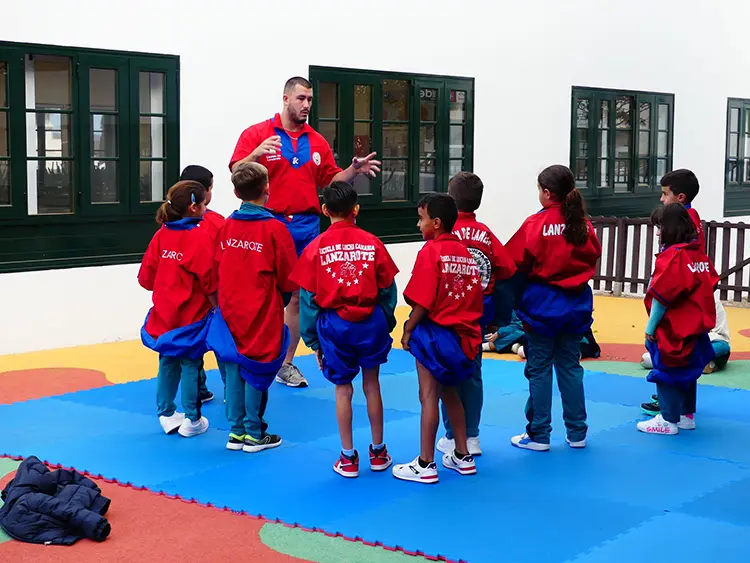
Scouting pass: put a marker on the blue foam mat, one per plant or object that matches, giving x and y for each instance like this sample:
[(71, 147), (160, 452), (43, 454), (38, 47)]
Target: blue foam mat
[(586, 504)]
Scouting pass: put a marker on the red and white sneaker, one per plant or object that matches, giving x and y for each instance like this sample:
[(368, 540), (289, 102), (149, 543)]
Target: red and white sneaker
[(380, 460), (415, 472), (465, 466), (658, 426), (347, 466)]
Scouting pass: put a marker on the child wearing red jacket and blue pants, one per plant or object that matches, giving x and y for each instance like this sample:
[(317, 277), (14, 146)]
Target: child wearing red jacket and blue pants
[(347, 302), (443, 334), (682, 311), (556, 250), (254, 258), (178, 268)]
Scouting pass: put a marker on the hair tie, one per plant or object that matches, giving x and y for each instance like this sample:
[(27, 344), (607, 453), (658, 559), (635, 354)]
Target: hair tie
[(169, 202), (192, 197)]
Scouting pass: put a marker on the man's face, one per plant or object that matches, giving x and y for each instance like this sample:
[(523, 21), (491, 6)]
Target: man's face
[(297, 104)]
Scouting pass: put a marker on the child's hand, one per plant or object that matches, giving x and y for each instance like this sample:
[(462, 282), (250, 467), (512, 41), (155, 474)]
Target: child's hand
[(650, 337), (319, 357), (405, 339), (490, 337)]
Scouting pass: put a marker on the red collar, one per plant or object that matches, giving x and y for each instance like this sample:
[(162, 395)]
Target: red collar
[(446, 237), (278, 125)]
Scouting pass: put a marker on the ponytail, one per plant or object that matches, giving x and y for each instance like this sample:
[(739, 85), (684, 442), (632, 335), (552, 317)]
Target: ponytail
[(180, 198), (574, 211)]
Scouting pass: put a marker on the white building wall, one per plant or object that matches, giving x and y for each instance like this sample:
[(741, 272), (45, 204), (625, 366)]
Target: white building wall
[(525, 56)]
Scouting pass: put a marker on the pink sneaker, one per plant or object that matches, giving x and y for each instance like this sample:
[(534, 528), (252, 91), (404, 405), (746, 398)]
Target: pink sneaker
[(687, 422)]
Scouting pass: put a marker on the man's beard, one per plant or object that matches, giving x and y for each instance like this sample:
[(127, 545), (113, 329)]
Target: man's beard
[(298, 119)]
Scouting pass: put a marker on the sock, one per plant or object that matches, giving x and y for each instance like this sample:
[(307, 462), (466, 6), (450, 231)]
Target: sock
[(377, 447), (423, 464), (460, 456), (348, 453)]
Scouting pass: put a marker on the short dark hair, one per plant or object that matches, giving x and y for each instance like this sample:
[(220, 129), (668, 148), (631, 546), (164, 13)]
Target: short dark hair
[(198, 173), (296, 81), (682, 181), (675, 224), (466, 188), (340, 198), (440, 206), (250, 179)]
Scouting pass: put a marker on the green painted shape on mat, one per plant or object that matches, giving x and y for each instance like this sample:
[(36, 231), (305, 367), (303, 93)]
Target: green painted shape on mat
[(735, 376), (6, 466), (319, 548)]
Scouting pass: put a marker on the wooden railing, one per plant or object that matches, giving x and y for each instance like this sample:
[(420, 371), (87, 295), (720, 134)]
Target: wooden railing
[(629, 245)]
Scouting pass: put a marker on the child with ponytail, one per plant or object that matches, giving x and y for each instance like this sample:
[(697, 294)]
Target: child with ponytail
[(178, 268), (556, 251)]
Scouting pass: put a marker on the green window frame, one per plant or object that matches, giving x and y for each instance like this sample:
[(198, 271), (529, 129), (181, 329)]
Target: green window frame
[(620, 147), (77, 147), (421, 126), (737, 164)]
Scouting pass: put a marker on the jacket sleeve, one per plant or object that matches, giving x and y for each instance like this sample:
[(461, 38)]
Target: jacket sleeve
[(149, 264), (308, 319), (284, 260), (388, 299)]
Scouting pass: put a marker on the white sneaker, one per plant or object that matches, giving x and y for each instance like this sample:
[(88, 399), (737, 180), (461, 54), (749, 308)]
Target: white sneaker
[(170, 424), (188, 428), (486, 347), (473, 445), (687, 422), (521, 353), (445, 445), (465, 466), (515, 348), (646, 361), (577, 445), (658, 425), (525, 443), (414, 472)]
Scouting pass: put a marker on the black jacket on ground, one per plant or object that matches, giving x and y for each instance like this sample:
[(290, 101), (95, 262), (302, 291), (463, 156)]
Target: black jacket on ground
[(53, 507)]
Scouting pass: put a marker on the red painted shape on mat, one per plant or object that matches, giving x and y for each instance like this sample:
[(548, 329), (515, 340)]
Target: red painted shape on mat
[(23, 385), (149, 527), (5, 479), (745, 332), (634, 353)]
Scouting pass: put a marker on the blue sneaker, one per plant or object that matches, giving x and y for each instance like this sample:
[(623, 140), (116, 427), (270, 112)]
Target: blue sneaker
[(525, 443)]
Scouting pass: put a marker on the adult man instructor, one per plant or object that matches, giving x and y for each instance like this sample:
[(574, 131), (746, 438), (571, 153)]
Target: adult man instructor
[(299, 160)]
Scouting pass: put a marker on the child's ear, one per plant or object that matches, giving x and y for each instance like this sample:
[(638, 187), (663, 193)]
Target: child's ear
[(355, 211), (267, 189), (325, 210), (681, 198), (236, 194)]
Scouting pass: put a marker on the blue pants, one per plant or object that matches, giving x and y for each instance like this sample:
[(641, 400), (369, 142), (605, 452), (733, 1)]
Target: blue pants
[(722, 351), (439, 350), (563, 351), (246, 406), (675, 401), (174, 373), (304, 228), (471, 393), (202, 387)]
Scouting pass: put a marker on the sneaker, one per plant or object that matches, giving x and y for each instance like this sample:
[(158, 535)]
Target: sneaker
[(380, 460), (171, 424), (188, 428), (521, 353), (265, 443), (474, 448), (205, 396), (447, 446), (576, 445), (291, 376), (515, 348), (687, 422), (646, 362), (347, 466), (710, 368), (415, 472), (658, 425), (525, 443), (235, 442), (463, 466), (651, 409)]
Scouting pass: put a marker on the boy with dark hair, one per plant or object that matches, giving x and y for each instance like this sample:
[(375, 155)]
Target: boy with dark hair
[(443, 334), (347, 303), (494, 265), (214, 221), (247, 332)]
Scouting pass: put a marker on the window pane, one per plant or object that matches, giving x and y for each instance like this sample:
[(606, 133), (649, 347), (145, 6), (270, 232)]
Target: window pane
[(427, 141), (103, 89), (747, 134), (428, 99), (604, 180), (152, 181), (48, 134), (645, 116), (622, 144), (583, 114), (328, 100), (454, 167), (395, 140), (734, 141), (456, 147), (394, 180), (458, 106), (604, 115), (643, 171), (3, 84), (152, 137), (48, 82), (329, 129), (622, 175), (603, 143), (582, 171), (427, 177), (362, 102), (362, 184), (582, 139), (747, 169), (733, 171), (3, 133), (734, 120), (644, 138), (5, 182), (661, 148), (623, 113), (362, 139), (661, 169), (152, 94), (395, 100), (104, 182), (104, 135), (51, 181), (663, 117)]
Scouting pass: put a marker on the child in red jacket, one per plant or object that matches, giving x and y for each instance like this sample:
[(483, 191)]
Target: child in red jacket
[(178, 269)]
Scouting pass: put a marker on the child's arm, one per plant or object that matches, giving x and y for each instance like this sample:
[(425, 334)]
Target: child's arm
[(308, 319), (147, 272), (657, 314), (417, 314), (388, 299)]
